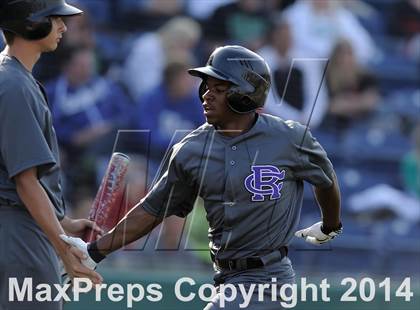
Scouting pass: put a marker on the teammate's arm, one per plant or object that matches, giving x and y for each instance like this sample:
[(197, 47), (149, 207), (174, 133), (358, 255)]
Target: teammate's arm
[(77, 227), (39, 206)]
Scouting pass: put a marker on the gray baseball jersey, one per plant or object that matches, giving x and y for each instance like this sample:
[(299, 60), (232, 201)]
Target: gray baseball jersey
[(27, 137), (252, 184)]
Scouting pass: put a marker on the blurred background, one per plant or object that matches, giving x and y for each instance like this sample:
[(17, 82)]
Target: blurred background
[(347, 68)]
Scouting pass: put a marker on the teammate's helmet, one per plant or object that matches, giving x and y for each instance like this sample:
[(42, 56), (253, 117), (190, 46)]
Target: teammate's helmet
[(30, 18), (247, 71)]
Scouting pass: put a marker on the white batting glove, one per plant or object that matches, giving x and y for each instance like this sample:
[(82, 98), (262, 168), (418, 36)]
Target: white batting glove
[(82, 246), (315, 235)]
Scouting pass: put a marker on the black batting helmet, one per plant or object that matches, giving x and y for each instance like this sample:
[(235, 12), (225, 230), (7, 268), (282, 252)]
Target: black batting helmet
[(30, 18), (247, 71)]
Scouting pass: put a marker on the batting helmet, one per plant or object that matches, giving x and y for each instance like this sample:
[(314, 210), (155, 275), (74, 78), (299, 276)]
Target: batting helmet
[(247, 71), (30, 18)]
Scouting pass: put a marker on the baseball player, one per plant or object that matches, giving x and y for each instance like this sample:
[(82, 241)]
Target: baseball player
[(249, 169), (32, 214)]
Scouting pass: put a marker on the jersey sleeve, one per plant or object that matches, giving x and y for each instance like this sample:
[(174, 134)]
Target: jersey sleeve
[(22, 142), (313, 163), (174, 193)]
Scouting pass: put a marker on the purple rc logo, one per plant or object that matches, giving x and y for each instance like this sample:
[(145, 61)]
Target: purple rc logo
[(265, 180)]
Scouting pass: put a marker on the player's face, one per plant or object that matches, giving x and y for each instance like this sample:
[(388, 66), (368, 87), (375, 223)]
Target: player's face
[(216, 109), (50, 43)]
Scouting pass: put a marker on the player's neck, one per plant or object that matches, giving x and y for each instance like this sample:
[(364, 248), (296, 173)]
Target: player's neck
[(24, 51), (241, 124)]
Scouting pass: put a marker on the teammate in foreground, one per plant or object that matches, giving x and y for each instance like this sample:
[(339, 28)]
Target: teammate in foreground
[(249, 168), (31, 203)]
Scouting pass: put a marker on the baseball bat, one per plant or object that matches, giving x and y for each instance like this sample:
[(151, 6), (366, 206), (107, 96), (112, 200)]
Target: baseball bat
[(108, 207)]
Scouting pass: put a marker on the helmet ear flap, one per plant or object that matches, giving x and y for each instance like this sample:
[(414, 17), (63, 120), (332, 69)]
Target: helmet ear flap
[(240, 103), (38, 30)]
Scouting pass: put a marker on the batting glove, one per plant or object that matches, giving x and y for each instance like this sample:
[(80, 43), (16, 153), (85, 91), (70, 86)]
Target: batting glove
[(82, 246), (315, 234)]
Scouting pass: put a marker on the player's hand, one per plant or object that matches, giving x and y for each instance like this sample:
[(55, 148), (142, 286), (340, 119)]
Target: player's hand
[(78, 249), (77, 264), (315, 235), (77, 227)]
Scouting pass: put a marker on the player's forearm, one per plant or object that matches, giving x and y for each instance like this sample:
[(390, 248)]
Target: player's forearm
[(329, 202), (136, 224), (40, 207)]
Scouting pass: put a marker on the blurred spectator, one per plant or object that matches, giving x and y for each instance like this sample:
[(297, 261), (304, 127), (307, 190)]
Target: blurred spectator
[(410, 166), (384, 199), (318, 24), (87, 110), (144, 66), (164, 7), (244, 22), (352, 90), (295, 81), (102, 11), (80, 31), (405, 19), (276, 6), (134, 15), (204, 8), (360, 8), (173, 105), (405, 23)]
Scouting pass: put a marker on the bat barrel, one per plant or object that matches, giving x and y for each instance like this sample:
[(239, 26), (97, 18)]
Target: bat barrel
[(108, 204)]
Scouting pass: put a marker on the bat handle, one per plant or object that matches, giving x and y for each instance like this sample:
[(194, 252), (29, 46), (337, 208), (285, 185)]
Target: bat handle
[(90, 235)]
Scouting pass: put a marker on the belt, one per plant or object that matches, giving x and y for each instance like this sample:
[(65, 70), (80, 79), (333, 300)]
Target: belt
[(245, 263)]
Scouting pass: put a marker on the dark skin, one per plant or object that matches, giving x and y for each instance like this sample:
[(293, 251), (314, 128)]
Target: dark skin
[(329, 202), (218, 113), (138, 222)]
